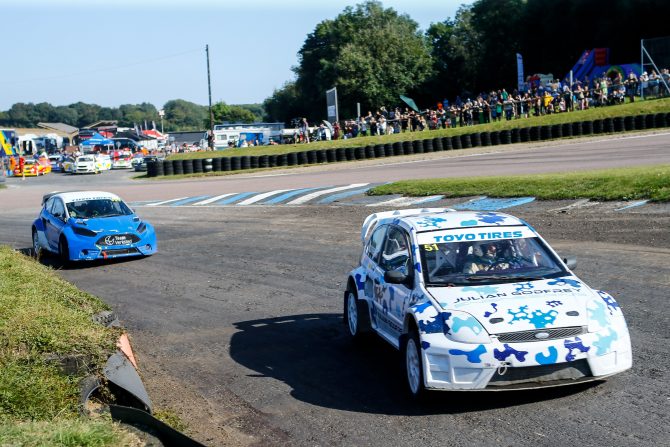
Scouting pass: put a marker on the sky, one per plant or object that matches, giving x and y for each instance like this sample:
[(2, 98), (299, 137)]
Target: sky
[(113, 52)]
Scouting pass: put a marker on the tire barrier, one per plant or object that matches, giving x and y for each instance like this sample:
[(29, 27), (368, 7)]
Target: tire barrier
[(618, 124), (282, 160), (466, 142), (159, 169), (485, 138), (629, 123), (597, 126), (437, 144), (291, 159), (476, 139), (407, 148), (152, 169), (370, 151), (640, 122), (235, 164), (350, 153), (446, 144), (456, 142), (301, 158), (557, 131), (331, 155), (546, 133), (505, 136), (254, 162), (393, 149), (428, 146), (197, 166), (245, 163), (178, 167), (417, 145), (608, 125), (494, 137), (524, 134), (311, 157), (272, 161), (359, 153), (661, 120), (380, 149), (534, 133), (321, 156), (341, 154), (577, 129), (216, 164), (650, 121), (167, 167), (207, 165), (263, 161), (188, 166), (587, 128), (516, 137), (225, 164), (566, 129)]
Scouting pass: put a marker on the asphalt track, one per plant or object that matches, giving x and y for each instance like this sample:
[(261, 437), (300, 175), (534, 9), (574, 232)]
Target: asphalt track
[(237, 325)]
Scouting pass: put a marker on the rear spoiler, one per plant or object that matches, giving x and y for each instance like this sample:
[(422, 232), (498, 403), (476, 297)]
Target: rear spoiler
[(371, 221), (46, 197)]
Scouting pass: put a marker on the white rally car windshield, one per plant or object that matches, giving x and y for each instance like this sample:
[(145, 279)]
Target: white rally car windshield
[(481, 260), (97, 208)]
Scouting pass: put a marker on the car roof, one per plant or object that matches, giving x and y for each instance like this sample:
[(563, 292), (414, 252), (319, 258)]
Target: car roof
[(75, 196), (431, 219)]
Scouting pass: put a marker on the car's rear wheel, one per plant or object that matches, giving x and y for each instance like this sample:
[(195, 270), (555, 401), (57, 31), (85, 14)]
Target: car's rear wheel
[(63, 251), (356, 315), (413, 364)]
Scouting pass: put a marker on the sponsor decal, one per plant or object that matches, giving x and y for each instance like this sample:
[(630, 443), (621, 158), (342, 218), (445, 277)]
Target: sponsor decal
[(117, 239)]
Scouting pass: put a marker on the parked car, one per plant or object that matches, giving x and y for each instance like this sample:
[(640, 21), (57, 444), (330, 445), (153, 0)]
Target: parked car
[(141, 165), (89, 225), (479, 300), (121, 160), (55, 160), (85, 164), (33, 167), (103, 161)]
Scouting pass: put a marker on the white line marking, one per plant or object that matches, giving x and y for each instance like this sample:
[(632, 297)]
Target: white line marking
[(402, 201), (308, 197), (167, 201), (259, 197), (213, 199)]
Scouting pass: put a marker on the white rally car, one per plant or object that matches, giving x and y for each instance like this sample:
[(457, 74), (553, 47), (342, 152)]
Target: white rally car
[(86, 164), (478, 300)]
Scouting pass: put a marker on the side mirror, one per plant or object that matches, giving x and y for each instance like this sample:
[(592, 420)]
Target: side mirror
[(395, 277), (571, 262)]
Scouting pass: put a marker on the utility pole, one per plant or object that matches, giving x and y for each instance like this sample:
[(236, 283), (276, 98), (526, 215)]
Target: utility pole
[(210, 134)]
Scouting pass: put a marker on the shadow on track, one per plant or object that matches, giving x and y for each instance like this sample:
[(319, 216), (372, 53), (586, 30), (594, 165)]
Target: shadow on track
[(313, 354), (52, 260)]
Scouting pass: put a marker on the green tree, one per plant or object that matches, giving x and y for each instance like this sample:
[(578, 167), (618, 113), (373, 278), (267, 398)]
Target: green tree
[(184, 115), (284, 104), (371, 54), (233, 114)]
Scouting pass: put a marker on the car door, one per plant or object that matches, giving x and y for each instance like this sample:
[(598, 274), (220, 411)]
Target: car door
[(394, 299), (54, 222), (374, 277)]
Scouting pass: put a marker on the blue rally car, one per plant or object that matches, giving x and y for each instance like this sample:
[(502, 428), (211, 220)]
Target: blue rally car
[(89, 225)]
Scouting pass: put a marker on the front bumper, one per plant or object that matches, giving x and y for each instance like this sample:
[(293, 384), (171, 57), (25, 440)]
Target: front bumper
[(450, 365), (88, 251)]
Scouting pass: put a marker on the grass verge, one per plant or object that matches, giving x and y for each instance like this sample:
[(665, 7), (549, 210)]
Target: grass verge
[(639, 183), (42, 316), (635, 108)]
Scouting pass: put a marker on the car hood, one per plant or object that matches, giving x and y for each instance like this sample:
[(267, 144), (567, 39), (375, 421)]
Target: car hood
[(107, 225), (530, 305)]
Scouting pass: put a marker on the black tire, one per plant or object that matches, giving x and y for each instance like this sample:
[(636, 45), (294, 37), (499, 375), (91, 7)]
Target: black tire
[(188, 166), (413, 362), (356, 315), (63, 251), (417, 145), (178, 167), (37, 250)]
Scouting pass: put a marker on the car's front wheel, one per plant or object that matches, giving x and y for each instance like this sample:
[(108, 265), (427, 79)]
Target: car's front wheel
[(411, 349), (37, 248), (356, 315), (63, 251)]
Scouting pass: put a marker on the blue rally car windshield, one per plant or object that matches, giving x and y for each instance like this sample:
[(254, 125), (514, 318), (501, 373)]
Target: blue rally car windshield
[(488, 262), (97, 208)]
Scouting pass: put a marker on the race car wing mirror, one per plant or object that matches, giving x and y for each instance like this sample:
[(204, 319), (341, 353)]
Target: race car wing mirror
[(570, 261), (395, 277)]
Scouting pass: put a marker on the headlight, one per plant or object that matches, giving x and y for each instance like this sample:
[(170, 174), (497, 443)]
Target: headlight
[(83, 231), (464, 328)]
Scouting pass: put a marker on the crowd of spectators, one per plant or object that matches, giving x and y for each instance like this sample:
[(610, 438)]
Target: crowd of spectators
[(497, 105)]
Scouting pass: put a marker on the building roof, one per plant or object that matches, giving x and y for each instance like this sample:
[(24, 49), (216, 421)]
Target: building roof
[(102, 123), (61, 127), (179, 138)]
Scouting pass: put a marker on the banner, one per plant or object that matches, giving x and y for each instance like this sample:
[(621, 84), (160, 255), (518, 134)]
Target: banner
[(519, 72), (331, 102)]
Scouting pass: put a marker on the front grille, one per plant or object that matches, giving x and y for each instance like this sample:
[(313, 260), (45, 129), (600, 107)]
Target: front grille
[(118, 239), (542, 374), (121, 251), (554, 334)]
